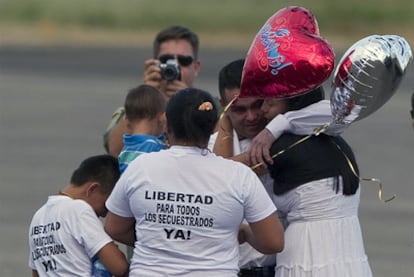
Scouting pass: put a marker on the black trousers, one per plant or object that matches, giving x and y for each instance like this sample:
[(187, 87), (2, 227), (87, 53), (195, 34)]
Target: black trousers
[(266, 271)]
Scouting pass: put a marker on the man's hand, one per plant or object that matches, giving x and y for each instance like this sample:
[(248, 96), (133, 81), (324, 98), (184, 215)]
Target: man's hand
[(260, 148), (152, 73), (152, 77)]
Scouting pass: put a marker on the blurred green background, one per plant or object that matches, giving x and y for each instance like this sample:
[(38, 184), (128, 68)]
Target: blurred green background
[(219, 22)]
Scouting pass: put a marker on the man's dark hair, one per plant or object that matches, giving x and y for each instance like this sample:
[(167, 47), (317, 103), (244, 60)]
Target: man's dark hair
[(176, 32), (143, 102), (230, 77), (103, 169)]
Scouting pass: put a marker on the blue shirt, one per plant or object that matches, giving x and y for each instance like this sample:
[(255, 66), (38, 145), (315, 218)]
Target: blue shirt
[(135, 145)]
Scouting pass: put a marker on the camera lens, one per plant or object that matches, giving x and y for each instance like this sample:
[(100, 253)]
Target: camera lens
[(170, 73), (170, 70)]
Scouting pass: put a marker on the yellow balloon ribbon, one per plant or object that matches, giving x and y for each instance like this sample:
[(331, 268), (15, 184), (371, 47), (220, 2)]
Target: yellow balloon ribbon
[(283, 150), (316, 132), (227, 107), (376, 180)]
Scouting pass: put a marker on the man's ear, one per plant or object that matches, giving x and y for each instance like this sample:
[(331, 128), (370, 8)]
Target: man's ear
[(92, 187)]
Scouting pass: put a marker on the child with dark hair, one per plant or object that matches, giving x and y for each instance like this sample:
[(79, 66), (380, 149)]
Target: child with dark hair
[(186, 204), (66, 234), (145, 116)]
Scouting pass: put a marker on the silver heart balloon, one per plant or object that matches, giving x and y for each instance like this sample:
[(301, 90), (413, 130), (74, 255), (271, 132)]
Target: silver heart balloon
[(367, 76)]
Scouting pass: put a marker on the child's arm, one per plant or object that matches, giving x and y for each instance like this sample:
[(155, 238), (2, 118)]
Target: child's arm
[(113, 259), (299, 122)]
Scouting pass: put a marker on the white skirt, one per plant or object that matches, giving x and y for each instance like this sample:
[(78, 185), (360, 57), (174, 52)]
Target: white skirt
[(323, 237)]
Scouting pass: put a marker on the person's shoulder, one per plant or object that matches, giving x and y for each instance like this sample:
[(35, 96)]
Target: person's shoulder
[(147, 157), (286, 141), (115, 118), (77, 206), (288, 138)]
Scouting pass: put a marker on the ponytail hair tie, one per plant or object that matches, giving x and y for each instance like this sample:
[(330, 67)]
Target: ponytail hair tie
[(205, 106)]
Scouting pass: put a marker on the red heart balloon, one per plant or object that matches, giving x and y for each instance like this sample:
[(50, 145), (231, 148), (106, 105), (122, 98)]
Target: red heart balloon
[(287, 57)]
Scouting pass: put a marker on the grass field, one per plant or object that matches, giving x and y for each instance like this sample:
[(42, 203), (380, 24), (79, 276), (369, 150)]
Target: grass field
[(219, 20)]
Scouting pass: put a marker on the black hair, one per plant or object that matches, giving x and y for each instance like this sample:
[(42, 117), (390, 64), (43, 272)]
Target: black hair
[(144, 102), (186, 121), (230, 77), (176, 32), (306, 99), (103, 169)]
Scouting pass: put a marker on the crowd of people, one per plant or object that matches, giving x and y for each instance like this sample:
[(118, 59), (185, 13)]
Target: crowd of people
[(195, 192)]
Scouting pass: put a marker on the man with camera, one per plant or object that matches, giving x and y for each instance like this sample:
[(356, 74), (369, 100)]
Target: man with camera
[(174, 66)]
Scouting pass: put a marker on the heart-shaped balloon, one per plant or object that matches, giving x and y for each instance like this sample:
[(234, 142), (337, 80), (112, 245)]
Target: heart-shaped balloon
[(287, 57), (367, 75)]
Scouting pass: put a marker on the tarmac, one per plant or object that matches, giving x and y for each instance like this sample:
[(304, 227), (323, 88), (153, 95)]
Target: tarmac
[(55, 103)]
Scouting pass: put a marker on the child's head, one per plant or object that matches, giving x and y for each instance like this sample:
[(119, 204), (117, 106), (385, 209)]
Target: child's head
[(191, 117), (144, 102), (273, 107), (97, 175)]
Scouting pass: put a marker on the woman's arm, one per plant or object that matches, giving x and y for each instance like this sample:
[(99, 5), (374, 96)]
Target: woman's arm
[(120, 228), (224, 142), (266, 236)]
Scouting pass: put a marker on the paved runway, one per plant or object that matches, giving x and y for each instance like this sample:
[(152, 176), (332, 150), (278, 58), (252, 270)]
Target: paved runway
[(54, 106)]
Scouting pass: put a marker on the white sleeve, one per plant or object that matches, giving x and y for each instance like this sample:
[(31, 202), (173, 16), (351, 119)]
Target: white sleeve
[(306, 120), (118, 201)]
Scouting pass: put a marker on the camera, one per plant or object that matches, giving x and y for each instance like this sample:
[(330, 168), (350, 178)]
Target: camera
[(170, 70)]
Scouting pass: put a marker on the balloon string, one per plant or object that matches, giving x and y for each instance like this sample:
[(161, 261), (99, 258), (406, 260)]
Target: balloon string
[(378, 181), (227, 107), (316, 132), (283, 150)]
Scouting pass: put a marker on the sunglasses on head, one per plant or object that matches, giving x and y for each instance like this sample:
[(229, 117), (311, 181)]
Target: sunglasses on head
[(183, 60)]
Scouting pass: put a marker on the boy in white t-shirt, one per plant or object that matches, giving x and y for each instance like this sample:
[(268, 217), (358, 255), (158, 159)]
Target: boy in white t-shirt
[(65, 234)]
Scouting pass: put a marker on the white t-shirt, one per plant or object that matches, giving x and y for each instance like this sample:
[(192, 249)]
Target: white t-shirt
[(250, 257), (188, 204), (64, 235), (306, 120)]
